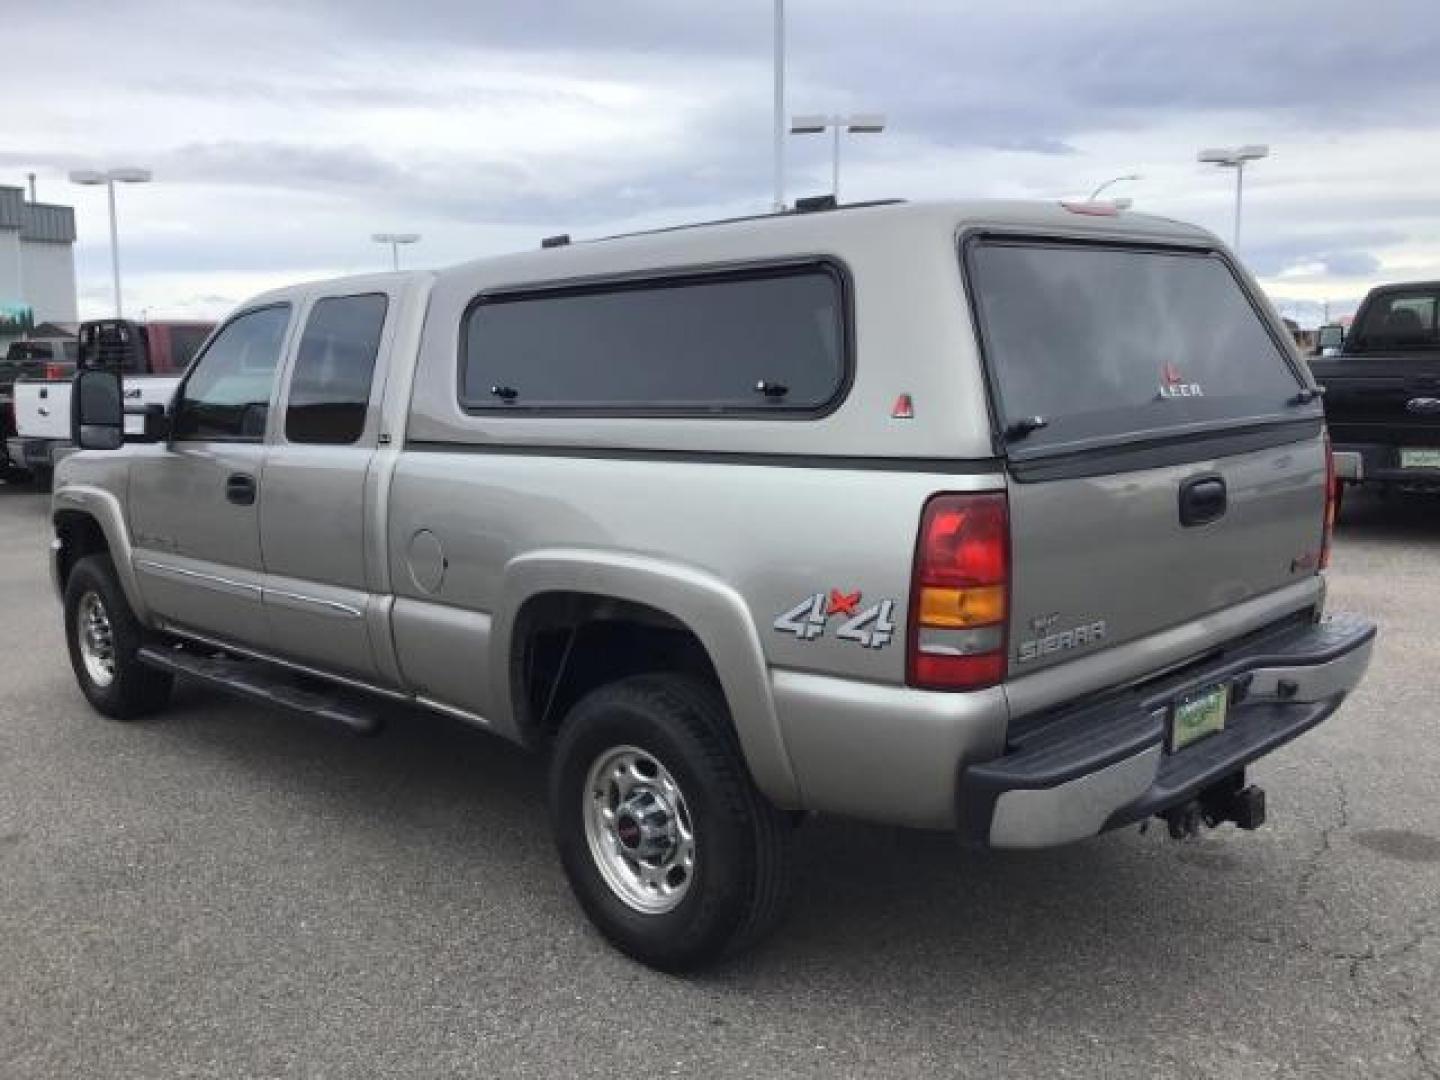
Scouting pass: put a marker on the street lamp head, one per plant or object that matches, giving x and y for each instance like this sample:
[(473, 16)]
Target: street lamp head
[(1231, 158), (127, 175), (865, 123), (395, 238), (809, 124), (1216, 157)]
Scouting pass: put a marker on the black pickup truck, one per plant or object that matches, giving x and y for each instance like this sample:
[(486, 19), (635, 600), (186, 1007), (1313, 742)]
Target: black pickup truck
[(1382, 390)]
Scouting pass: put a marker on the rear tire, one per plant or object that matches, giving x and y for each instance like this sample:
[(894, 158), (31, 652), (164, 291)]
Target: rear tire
[(103, 636), (668, 846), (43, 478)]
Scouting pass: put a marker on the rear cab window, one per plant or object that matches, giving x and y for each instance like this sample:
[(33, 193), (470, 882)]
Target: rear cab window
[(1397, 321), (1093, 344), (763, 340)]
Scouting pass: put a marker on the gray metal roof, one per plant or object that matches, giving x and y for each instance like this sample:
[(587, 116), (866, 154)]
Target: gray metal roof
[(12, 201), (49, 223), (43, 222)]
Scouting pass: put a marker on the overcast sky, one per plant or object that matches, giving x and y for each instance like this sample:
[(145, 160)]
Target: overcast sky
[(283, 134)]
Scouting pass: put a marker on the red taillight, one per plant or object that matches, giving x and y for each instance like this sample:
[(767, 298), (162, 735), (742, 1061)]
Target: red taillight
[(960, 598), (55, 371), (1332, 497)]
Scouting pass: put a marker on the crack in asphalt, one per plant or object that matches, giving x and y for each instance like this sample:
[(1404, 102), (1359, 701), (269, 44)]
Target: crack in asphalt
[(1328, 833), (1419, 1048), (1376, 992)]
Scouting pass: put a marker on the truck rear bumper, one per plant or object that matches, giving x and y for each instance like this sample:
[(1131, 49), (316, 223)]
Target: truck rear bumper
[(1106, 764), (1379, 463)]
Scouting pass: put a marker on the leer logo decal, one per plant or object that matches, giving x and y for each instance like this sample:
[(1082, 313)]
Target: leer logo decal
[(1174, 385), (871, 628)]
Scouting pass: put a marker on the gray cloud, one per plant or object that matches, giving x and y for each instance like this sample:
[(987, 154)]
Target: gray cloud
[(1338, 252), (1033, 78), (956, 72)]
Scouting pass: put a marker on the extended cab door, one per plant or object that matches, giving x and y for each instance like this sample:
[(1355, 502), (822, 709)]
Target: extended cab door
[(313, 498), (194, 503)]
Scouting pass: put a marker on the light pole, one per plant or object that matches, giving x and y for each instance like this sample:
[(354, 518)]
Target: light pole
[(111, 177), (856, 124), (395, 239), (1235, 158), (779, 119), (1113, 180)]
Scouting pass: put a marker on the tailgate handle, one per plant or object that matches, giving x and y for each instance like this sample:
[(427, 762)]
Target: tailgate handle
[(1202, 500), (240, 489)]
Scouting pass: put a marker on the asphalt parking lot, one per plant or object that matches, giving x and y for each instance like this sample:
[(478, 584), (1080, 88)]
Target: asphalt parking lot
[(226, 892)]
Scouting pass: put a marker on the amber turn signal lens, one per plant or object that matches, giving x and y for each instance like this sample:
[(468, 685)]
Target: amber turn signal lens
[(977, 606)]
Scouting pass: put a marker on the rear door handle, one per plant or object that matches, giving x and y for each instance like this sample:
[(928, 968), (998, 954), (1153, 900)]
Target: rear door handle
[(1203, 499), (240, 489)]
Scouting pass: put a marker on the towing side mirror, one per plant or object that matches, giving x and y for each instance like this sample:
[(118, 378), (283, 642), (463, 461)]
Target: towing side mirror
[(97, 411)]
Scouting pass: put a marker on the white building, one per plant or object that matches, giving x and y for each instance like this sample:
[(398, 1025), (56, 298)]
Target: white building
[(37, 264)]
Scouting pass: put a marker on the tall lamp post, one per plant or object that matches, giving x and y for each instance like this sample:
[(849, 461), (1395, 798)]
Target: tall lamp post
[(779, 118), (395, 240), (1235, 158), (858, 124), (111, 177)]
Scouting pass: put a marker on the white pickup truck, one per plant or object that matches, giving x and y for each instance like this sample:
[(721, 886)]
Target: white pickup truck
[(42, 419), (151, 357)]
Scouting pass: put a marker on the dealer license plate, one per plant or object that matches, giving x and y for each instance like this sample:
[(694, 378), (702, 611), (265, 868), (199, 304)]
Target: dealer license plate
[(1198, 716), (1420, 459)]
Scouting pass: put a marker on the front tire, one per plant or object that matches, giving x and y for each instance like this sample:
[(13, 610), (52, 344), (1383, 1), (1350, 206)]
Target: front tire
[(668, 846), (103, 636)]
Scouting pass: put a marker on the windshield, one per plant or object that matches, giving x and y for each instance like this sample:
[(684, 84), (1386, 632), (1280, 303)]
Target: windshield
[(1399, 320), (1087, 343)]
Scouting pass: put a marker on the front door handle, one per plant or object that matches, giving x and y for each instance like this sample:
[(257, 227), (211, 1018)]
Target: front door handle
[(240, 489), (1203, 499)]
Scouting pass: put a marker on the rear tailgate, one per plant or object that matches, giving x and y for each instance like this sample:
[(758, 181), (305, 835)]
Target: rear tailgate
[(42, 409), (1386, 400), (1176, 470)]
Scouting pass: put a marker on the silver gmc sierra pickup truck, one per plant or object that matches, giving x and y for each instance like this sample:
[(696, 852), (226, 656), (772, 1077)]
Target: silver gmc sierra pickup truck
[(1001, 518)]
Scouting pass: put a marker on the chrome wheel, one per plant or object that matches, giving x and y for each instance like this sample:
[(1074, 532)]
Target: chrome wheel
[(97, 640), (639, 830)]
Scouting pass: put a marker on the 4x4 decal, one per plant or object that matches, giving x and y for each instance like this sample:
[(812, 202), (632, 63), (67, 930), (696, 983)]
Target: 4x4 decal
[(871, 628)]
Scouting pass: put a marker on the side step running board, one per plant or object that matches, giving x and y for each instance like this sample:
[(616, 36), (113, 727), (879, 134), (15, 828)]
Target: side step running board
[(267, 684)]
